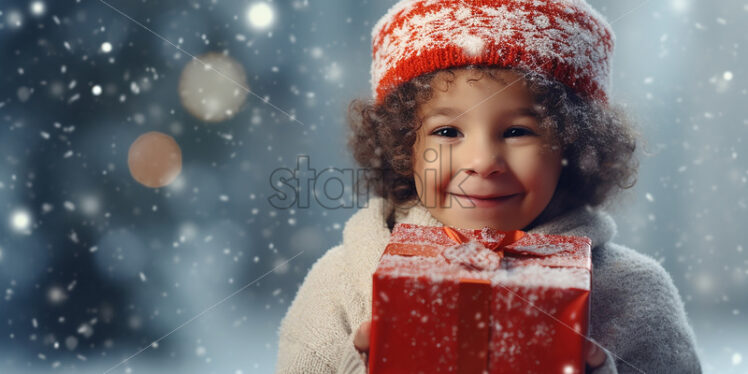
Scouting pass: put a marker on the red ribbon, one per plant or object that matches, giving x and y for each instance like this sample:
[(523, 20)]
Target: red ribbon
[(509, 238), (497, 248)]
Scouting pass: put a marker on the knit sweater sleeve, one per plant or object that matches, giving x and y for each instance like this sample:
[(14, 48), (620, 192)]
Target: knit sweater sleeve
[(352, 362), (314, 334), (638, 316)]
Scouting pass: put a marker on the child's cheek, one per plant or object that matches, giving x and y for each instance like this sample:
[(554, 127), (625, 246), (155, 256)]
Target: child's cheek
[(536, 170), (432, 173)]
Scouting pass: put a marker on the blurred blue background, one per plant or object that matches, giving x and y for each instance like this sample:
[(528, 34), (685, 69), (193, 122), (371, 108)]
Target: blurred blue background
[(94, 267)]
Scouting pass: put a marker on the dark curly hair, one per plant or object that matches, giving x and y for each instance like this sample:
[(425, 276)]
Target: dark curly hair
[(598, 142)]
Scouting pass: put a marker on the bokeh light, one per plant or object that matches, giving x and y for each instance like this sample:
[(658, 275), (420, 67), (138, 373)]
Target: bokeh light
[(90, 205), (38, 8), (260, 15), (56, 295), (213, 87), (154, 159), (20, 221), (14, 19), (106, 47)]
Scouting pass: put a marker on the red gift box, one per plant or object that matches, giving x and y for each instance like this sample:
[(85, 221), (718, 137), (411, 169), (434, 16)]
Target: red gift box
[(449, 300)]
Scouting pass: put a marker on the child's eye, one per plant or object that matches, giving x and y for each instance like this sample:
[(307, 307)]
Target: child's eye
[(449, 132), (517, 131)]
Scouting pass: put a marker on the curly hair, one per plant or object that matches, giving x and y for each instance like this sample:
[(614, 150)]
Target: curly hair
[(598, 142)]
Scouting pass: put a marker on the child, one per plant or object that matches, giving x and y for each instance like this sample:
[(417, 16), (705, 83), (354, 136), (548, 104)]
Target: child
[(492, 113)]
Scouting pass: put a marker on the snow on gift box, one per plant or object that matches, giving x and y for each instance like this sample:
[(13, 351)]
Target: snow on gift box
[(449, 300)]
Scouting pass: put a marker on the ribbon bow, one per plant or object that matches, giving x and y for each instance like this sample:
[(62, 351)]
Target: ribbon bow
[(485, 249), (478, 254)]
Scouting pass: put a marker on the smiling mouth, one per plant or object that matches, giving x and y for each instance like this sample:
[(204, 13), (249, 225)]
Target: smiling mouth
[(484, 201), (498, 198)]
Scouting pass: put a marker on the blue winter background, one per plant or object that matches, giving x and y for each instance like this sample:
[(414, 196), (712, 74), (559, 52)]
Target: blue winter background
[(95, 267)]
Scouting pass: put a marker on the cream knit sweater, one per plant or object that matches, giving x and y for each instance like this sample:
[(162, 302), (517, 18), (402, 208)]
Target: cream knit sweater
[(636, 312)]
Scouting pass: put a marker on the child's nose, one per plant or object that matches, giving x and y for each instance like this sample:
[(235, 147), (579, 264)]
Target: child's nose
[(485, 160)]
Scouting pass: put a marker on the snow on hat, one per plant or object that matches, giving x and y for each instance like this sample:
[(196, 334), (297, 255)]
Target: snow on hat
[(564, 39)]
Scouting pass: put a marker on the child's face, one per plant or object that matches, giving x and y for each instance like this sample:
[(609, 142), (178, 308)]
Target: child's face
[(493, 150)]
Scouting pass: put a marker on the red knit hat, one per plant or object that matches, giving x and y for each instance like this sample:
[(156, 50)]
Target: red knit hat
[(563, 39)]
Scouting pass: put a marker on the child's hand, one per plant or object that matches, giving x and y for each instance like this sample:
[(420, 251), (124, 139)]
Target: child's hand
[(361, 340), (595, 355)]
